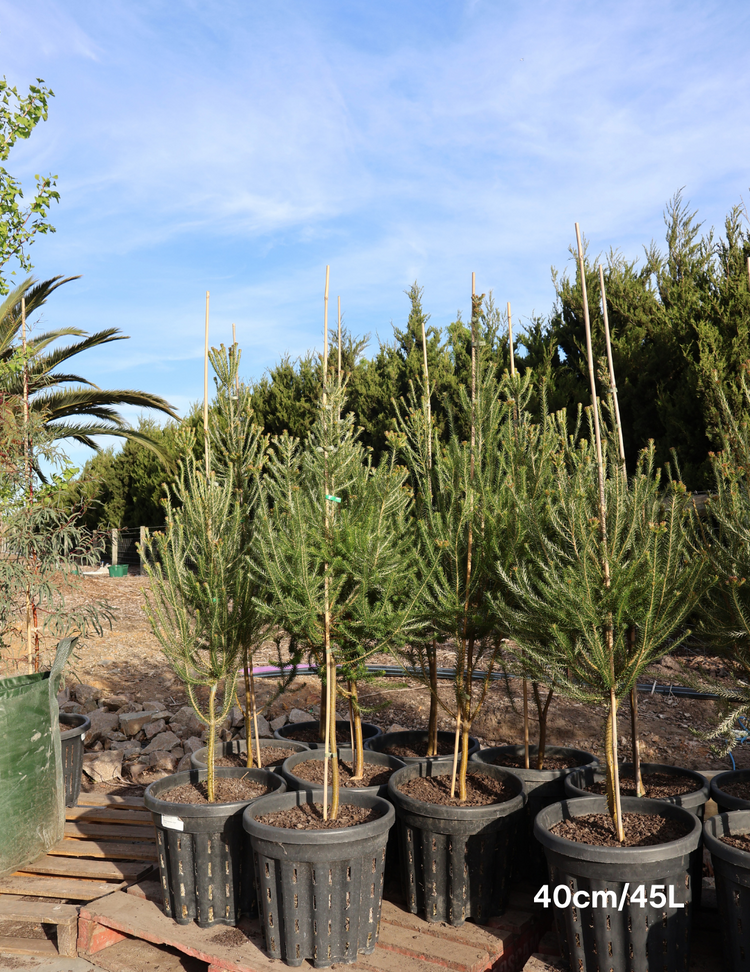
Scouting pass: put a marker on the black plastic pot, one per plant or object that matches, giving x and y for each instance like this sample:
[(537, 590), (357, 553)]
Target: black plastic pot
[(618, 934), (320, 890), (543, 787), (379, 744), (732, 872), (205, 865), (725, 801), (287, 732), (297, 783), (72, 754), (239, 747), (455, 860), (695, 801)]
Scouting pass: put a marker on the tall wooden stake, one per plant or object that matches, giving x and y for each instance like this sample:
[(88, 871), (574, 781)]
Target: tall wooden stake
[(330, 696), (611, 740), (205, 395)]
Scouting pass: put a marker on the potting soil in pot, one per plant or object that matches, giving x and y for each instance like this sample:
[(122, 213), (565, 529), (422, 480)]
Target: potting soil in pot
[(313, 736), (226, 791), (550, 762), (481, 790), (309, 816), (419, 751), (641, 830), (271, 756), (740, 841), (312, 770), (658, 786), (741, 789)]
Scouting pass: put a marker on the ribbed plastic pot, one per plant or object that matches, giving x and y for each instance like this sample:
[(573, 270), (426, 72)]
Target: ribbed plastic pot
[(732, 872), (576, 784), (455, 861), (543, 787), (320, 891), (239, 747), (294, 782), (205, 863), (615, 933), (71, 742), (413, 737), (725, 801), (287, 732)]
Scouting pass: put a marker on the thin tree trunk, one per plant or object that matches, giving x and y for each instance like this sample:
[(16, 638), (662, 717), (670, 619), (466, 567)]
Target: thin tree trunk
[(455, 754), (432, 726), (525, 724), (254, 711), (542, 711), (246, 711), (211, 750), (358, 743)]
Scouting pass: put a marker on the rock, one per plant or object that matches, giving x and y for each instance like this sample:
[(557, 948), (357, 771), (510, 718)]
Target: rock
[(113, 735), (83, 693), (396, 728), (129, 746), (164, 740), (114, 702), (186, 717), (184, 763), (192, 745), (163, 761), (178, 752), (89, 705), (131, 723), (63, 696), (236, 717), (225, 735), (72, 708), (153, 706), (101, 721), (144, 774), (299, 715), (152, 729), (264, 728), (278, 722), (178, 730), (97, 747), (102, 767)]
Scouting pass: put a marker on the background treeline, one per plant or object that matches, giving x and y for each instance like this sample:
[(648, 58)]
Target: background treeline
[(680, 321)]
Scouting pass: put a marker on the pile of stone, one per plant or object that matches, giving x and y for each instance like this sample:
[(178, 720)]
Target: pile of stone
[(145, 741)]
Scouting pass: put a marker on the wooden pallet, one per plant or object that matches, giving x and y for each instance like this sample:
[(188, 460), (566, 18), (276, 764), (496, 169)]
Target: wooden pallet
[(109, 843), (406, 943)]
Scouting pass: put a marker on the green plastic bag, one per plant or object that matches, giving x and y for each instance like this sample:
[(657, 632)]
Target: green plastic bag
[(32, 792)]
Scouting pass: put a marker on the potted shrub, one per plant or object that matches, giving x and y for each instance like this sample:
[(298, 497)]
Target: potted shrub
[(200, 605), (456, 817), (619, 584), (333, 548)]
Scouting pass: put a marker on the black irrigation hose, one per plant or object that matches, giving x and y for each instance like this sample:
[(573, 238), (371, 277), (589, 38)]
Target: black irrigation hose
[(677, 691)]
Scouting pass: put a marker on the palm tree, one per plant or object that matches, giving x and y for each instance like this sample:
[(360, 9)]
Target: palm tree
[(69, 413)]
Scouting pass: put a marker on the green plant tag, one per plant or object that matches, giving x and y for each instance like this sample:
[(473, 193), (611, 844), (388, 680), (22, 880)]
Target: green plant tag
[(333, 499)]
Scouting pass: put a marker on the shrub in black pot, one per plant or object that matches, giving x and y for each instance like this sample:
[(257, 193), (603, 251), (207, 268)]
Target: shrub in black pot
[(731, 865), (320, 891), (72, 740), (309, 732), (205, 867), (633, 904), (377, 762), (456, 858), (417, 741), (237, 751)]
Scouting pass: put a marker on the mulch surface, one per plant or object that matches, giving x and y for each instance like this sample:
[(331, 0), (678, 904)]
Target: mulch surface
[(226, 791), (641, 830), (481, 790), (657, 785), (740, 790), (312, 770), (740, 841), (270, 756), (419, 750), (309, 816), (550, 762)]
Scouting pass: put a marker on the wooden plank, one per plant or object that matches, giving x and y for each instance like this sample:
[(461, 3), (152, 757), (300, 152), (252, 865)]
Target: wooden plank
[(54, 887), (28, 946), (109, 800), (109, 831), (37, 911), (81, 868), (124, 815), (110, 850)]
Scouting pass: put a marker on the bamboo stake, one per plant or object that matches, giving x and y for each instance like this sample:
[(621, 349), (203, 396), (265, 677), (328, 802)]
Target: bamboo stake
[(205, 394), (330, 701), (27, 472), (455, 754), (615, 803)]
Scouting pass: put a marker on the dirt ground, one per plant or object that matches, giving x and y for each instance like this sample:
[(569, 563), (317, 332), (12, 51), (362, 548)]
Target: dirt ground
[(127, 660)]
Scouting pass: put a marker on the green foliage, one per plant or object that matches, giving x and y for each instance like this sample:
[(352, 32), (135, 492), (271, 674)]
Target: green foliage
[(19, 224)]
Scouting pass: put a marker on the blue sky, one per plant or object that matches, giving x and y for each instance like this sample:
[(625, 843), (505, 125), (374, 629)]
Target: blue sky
[(239, 146)]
